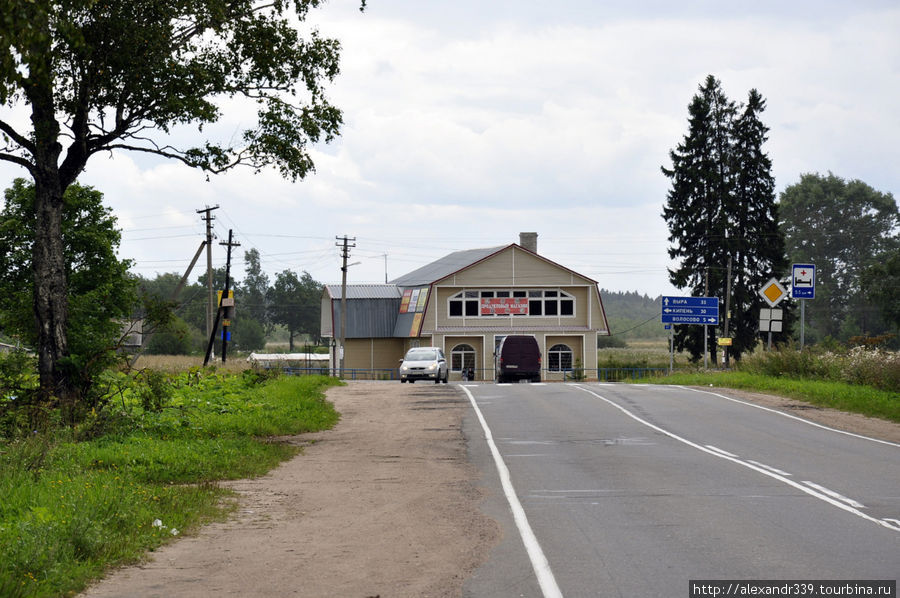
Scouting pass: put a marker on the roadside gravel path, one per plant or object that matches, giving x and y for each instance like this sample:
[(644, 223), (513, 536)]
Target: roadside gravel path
[(385, 504)]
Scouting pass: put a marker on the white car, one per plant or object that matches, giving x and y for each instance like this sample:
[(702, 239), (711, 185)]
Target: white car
[(424, 363)]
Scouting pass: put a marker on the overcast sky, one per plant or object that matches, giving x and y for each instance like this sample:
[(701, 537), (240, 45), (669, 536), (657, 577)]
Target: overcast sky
[(467, 122)]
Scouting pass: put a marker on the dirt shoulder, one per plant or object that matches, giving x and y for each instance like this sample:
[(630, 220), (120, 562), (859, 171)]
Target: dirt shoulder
[(385, 504)]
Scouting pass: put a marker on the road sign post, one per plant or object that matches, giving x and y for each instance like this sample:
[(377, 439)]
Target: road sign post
[(703, 311), (803, 287)]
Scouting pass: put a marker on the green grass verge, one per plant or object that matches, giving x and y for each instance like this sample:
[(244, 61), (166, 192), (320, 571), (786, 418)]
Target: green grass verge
[(69, 509), (864, 400)]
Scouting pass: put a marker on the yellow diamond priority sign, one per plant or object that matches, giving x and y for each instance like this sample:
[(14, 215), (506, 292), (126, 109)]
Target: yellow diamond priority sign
[(773, 292)]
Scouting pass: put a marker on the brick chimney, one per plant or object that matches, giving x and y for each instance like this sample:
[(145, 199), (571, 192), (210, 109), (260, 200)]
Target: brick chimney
[(528, 241)]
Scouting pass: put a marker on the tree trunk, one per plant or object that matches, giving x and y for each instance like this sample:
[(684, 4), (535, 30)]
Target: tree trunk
[(51, 310)]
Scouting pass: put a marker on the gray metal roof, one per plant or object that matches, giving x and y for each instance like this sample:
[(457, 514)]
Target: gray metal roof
[(365, 291), (445, 266)]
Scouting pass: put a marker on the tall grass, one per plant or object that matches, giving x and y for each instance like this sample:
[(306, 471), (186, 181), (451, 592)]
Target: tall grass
[(853, 398), (70, 507), (858, 366)]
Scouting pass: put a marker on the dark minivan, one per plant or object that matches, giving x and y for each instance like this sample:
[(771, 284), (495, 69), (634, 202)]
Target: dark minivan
[(518, 358)]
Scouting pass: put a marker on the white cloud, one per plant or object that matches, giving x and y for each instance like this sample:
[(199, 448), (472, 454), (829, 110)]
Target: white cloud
[(466, 124)]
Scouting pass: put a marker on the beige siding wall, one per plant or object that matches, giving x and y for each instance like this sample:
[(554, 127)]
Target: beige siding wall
[(514, 267), (373, 353)]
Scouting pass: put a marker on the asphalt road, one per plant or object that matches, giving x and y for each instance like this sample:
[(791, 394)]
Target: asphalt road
[(633, 491)]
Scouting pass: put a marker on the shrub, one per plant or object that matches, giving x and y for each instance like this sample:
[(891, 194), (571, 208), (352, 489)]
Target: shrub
[(860, 365)]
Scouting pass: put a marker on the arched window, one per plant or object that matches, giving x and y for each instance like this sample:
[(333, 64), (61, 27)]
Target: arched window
[(462, 356), (559, 358)]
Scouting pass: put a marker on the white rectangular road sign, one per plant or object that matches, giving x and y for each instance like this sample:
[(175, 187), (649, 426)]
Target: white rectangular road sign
[(803, 281)]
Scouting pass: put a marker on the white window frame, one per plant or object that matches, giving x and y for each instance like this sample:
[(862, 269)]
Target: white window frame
[(559, 350), (544, 296), (462, 352)]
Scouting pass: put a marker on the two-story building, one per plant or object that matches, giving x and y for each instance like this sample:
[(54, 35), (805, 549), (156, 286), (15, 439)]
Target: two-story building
[(465, 303)]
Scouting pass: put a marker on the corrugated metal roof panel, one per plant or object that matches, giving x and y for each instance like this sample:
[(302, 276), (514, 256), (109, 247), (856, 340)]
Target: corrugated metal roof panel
[(365, 291)]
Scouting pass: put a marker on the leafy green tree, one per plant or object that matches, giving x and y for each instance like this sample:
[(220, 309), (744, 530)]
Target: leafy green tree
[(248, 334), (177, 337), (254, 288), (721, 210), (97, 77), (100, 292), (841, 227), (881, 283), (296, 304)]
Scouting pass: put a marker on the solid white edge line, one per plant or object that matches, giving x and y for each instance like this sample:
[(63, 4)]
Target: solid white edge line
[(539, 562), (799, 419), (771, 474)]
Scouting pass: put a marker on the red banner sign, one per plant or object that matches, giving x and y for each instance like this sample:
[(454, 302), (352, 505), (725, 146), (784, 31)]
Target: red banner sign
[(504, 306)]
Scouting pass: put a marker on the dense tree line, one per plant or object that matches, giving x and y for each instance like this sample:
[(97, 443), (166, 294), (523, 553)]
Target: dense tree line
[(291, 304), (851, 232), (729, 235), (104, 295), (631, 316)]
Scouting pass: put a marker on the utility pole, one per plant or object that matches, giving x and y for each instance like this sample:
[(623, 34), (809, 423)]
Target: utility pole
[(226, 304), (705, 327), (345, 245), (727, 310), (210, 304)]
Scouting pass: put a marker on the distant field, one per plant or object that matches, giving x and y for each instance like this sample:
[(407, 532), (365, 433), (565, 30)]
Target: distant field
[(640, 353), (182, 363)]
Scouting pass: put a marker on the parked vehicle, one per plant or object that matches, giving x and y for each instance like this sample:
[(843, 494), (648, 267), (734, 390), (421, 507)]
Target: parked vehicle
[(518, 358), (424, 363)]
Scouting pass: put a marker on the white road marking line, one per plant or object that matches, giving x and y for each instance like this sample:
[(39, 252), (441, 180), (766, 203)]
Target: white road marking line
[(808, 490), (834, 494), (539, 562), (769, 467), (720, 451), (782, 413)]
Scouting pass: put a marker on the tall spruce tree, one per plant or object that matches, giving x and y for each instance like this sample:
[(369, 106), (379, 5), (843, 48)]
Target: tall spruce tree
[(757, 246), (721, 210)]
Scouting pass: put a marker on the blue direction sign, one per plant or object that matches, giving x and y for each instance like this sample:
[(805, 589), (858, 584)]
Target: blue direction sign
[(803, 281), (690, 310)]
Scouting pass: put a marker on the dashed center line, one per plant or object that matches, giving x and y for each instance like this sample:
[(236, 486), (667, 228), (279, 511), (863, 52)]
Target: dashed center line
[(814, 490)]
